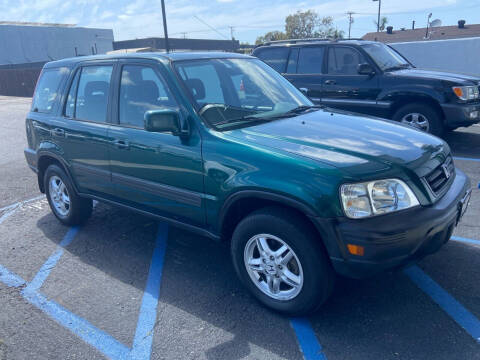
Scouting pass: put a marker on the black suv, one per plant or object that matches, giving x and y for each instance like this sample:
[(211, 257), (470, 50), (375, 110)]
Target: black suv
[(372, 78)]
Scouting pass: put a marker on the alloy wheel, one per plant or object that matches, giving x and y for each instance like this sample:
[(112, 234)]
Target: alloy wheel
[(59, 196), (273, 267), (416, 120)]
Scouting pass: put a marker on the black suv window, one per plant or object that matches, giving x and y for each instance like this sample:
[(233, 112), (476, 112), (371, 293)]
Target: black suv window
[(276, 57), (141, 90), (47, 89), (88, 95), (344, 60), (310, 60)]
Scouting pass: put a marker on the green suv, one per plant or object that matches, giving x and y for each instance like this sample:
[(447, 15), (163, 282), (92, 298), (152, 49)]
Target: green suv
[(224, 146)]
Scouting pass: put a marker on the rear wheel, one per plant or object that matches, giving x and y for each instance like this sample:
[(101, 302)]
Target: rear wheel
[(279, 258), (65, 204), (422, 117)]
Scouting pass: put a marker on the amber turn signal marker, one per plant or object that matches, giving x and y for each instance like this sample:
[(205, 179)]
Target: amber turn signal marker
[(356, 249), (458, 91)]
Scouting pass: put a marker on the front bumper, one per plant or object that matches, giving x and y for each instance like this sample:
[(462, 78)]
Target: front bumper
[(460, 114), (395, 239)]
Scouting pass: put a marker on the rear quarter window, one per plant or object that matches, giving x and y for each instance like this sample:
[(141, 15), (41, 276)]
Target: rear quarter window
[(47, 89), (276, 57)]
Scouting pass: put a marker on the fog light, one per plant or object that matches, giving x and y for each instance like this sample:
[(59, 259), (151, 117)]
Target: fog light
[(473, 114), (356, 249)]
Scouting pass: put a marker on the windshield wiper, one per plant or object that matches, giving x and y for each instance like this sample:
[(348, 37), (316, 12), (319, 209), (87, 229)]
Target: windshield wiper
[(302, 108), (397, 67), (289, 113)]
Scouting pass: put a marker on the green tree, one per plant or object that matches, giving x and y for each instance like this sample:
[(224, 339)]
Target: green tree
[(303, 25), (271, 36), (383, 23)]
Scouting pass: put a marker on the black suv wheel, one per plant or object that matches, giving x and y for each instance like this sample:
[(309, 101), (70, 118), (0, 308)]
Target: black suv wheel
[(422, 117), (281, 262), (67, 206)]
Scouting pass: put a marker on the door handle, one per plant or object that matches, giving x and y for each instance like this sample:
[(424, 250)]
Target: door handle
[(304, 90), (58, 132), (121, 144), (330, 82)]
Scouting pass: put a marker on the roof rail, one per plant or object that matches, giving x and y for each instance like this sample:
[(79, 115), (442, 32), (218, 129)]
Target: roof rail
[(296, 41)]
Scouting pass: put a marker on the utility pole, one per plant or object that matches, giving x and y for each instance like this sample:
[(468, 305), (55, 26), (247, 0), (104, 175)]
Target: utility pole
[(378, 20), (165, 32), (350, 21), (233, 39)]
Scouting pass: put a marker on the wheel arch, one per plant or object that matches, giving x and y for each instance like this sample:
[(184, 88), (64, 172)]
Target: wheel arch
[(45, 159), (243, 203), (400, 100)]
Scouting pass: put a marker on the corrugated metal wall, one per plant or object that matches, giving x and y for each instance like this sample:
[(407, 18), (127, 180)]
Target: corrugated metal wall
[(24, 49), (18, 82)]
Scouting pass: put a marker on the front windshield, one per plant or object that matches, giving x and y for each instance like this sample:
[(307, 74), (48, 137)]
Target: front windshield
[(239, 92), (385, 57)]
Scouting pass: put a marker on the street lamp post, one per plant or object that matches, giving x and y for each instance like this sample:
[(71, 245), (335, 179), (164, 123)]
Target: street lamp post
[(378, 20)]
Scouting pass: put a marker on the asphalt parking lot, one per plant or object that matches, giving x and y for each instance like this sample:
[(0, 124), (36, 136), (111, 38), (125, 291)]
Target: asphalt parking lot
[(126, 287)]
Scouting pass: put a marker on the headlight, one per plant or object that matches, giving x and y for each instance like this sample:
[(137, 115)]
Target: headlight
[(466, 92), (376, 197)]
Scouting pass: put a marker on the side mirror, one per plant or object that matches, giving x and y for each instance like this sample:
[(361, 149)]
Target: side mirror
[(365, 69), (164, 120)]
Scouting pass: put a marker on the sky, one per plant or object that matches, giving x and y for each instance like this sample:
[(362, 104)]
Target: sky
[(131, 19)]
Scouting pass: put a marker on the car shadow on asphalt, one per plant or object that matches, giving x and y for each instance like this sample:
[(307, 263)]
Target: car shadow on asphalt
[(198, 278), (378, 317)]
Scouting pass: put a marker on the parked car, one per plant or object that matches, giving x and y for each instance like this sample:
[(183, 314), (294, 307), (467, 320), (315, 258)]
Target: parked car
[(222, 145), (372, 78)]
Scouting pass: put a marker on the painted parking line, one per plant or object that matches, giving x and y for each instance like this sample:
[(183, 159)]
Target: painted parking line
[(447, 302), (105, 343), (307, 340), (465, 240), (9, 210), (465, 158)]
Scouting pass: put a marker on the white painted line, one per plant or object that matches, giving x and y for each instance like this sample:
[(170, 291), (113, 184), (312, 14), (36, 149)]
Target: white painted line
[(20, 203)]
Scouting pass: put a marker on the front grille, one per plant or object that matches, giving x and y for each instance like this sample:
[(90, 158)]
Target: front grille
[(439, 177)]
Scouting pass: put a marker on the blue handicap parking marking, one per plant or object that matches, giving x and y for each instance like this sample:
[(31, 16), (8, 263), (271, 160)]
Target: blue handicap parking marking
[(465, 240), (105, 343), (447, 302), (307, 340)]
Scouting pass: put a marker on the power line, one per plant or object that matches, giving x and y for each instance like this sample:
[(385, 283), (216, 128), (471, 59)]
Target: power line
[(211, 27)]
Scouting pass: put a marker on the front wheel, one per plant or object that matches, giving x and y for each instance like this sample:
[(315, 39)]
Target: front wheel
[(280, 260), (422, 117)]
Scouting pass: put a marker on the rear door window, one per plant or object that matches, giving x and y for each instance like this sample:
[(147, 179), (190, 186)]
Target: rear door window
[(47, 89), (88, 99), (276, 57), (310, 60)]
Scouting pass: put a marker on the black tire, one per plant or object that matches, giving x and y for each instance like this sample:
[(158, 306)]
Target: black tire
[(79, 209), (301, 237), (436, 126)]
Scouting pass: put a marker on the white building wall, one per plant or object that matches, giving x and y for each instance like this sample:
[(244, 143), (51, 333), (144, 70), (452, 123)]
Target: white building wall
[(455, 55)]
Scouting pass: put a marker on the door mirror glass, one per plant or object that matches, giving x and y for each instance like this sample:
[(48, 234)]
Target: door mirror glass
[(365, 69), (163, 120)]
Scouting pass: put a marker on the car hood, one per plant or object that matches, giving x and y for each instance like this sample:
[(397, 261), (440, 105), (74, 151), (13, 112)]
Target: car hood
[(437, 75), (358, 145)]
